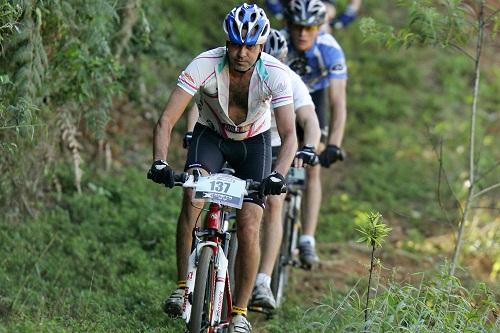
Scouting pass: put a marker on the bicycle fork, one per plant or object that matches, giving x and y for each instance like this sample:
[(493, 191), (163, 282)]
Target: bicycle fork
[(212, 240)]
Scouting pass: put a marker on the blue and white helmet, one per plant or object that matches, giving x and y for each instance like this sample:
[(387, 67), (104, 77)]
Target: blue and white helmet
[(306, 12), (276, 44), (251, 18)]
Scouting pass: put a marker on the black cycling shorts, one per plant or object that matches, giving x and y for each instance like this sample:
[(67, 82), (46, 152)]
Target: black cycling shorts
[(250, 158), (319, 100)]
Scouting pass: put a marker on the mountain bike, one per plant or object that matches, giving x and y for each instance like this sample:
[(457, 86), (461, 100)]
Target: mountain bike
[(208, 283), (288, 255)]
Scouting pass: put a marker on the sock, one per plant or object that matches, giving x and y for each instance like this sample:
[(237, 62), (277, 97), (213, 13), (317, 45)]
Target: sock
[(307, 239), (181, 284), (239, 311), (263, 278)]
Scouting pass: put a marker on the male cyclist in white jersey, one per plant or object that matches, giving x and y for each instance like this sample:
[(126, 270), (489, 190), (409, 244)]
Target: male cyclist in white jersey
[(235, 87), (272, 228), (319, 60)]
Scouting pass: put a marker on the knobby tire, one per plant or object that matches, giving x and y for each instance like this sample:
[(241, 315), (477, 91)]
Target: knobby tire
[(203, 292)]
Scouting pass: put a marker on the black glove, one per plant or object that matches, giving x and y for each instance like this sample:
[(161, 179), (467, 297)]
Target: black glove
[(272, 184), (187, 140), (330, 155), (308, 155), (161, 173)]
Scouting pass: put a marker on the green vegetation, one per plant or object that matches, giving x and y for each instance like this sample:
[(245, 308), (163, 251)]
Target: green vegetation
[(95, 262), (87, 243), (438, 305)]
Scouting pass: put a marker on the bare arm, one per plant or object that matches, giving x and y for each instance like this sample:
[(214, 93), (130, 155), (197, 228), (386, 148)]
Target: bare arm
[(338, 111), (285, 122), (308, 121), (356, 4), (192, 117), (176, 104)]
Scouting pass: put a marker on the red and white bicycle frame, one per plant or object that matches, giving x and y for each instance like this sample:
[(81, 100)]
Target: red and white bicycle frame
[(216, 227)]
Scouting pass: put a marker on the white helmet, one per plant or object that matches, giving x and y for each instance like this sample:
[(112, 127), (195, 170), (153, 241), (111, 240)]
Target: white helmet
[(306, 12), (276, 44)]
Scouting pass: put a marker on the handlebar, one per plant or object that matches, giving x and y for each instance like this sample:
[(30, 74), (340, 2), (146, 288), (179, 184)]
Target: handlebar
[(183, 177)]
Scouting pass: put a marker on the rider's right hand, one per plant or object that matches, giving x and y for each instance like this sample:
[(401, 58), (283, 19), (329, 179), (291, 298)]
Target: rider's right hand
[(307, 155), (161, 173)]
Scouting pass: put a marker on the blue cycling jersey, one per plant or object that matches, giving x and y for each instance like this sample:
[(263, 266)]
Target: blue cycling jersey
[(323, 61)]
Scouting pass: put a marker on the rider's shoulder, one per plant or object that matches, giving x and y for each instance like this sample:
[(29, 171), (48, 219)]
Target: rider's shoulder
[(272, 64), (326, 40)]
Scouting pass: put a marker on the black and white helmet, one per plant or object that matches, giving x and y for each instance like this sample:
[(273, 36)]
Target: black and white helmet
[(276, 44), (306, 12)]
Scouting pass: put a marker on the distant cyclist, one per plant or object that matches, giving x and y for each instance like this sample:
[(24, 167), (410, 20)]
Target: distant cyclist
[(319, 60), (272, 228), (235, 87), (340, 21)]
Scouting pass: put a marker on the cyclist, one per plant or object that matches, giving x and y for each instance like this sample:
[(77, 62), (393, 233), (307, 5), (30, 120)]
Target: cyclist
[(235, 87), (272, 229), (338, 22), (319, 60)]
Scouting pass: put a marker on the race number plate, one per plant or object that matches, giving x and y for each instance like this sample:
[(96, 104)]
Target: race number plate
[(222, 189)]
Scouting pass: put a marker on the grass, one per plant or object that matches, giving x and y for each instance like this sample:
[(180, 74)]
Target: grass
[(101, 261), (436, 305)]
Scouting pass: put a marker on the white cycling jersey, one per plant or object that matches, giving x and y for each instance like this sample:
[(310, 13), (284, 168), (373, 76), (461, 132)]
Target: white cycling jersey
[(301, 97), (208, 74)]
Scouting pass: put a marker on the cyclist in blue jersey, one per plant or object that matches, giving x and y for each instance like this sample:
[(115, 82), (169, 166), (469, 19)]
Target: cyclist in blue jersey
[(340, 21), (319, 60), (235, 87)]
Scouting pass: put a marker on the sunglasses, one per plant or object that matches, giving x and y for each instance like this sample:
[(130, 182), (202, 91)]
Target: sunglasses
[(304, 27)]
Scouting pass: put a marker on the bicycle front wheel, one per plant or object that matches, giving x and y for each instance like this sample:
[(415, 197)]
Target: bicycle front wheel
[(203, 293), (279, 278)]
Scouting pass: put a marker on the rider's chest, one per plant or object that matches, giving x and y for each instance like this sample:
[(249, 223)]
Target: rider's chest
[(238, 101)]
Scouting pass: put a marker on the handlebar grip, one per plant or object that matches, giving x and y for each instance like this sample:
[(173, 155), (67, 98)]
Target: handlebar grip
[(180, 178), (253, 185)]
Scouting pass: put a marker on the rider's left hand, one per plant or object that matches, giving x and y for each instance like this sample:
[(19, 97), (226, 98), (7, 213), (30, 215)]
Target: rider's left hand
[(330, 155), (272, 184)]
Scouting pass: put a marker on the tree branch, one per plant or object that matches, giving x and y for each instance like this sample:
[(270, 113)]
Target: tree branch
[(483, 174), (483, 191), (472, 141), (463, 51), (491, 16)]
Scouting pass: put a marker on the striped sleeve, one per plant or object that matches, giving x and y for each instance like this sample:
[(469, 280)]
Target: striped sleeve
[(281, 87), (189, 79)]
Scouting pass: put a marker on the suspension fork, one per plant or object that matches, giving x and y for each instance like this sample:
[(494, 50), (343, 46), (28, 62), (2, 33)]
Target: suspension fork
[(215, 221)]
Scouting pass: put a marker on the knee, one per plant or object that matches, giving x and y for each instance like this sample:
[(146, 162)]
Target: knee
[(313, 171), (189, 209), (274, 204), (248, 228)]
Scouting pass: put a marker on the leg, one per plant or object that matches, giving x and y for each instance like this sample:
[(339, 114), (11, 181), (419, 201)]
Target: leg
[(203, 154), (247, 258), (312, 202), (185, 224), (272, 232), (307, 252)]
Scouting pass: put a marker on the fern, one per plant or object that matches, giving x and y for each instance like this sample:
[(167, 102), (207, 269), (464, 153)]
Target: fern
[(69, 137)]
